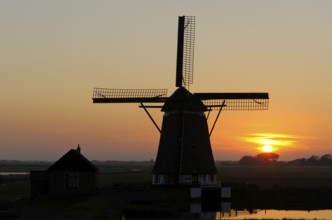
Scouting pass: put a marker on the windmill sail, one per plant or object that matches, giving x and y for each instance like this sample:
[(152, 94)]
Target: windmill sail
[(106, 95), (185, 51), (235, 101)]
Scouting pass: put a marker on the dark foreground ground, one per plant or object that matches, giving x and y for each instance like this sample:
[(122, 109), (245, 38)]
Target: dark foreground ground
[(125, 190)]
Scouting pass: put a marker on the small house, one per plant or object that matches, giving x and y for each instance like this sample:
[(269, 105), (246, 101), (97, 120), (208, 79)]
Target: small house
[(72, 174)]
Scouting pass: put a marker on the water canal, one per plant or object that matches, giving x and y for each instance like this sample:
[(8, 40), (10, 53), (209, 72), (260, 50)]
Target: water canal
[(225, 212), (13, 173), (273, 214)]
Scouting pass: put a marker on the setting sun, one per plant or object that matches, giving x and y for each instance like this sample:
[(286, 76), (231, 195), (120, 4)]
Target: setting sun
[(269, 142), (267, 148)]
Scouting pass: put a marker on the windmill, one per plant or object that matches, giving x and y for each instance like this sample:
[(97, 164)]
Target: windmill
[(184, 153)]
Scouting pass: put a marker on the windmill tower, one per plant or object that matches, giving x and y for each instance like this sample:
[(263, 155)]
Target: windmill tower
[(184, 154)]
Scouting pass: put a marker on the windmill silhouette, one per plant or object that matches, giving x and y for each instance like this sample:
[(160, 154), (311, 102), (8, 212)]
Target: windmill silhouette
[(184, 154)]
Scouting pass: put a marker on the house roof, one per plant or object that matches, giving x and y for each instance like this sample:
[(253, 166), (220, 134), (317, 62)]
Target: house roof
[(73, 161)]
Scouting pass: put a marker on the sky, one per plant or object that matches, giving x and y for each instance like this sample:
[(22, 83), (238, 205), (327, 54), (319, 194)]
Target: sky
[(53, 53)]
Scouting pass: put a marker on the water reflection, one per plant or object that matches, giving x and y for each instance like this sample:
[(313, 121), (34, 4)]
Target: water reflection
[(13, 173), (275, 214), (208, 211), (197, 211)]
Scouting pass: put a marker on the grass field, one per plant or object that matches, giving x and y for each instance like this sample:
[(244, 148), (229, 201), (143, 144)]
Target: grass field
[(279, 176), (125, 190)]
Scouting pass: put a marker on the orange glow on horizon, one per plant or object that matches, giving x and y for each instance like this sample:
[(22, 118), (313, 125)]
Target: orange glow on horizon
[(269, 142)]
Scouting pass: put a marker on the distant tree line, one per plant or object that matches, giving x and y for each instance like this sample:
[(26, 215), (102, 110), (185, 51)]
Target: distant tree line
[(324, 160), (272, 159)]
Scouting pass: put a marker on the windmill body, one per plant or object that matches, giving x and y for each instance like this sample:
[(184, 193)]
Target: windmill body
[(184, 153)]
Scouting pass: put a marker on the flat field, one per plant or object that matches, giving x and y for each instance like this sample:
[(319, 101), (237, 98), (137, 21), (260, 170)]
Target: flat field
[(125, 190), (278, 176)]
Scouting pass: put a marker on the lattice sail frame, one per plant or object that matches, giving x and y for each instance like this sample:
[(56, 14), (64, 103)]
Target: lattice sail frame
[(235, 101), (185, 53), (238, 104), (109, 95), (188, 51)]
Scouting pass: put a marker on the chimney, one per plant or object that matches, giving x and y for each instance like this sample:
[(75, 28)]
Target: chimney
[(78, 148)]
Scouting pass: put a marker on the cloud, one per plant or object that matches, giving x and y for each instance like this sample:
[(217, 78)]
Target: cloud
[(276, 140)]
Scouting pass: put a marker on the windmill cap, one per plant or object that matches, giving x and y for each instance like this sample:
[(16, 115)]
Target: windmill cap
[(183, 100)]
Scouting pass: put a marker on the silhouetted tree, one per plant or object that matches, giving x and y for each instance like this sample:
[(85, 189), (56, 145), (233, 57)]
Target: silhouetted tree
[(313, 160), (260, 159), (326, 159), (302, 161), (267, 157), (247, 160)]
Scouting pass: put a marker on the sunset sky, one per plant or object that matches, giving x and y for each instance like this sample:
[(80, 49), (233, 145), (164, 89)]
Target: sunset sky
[(53, 53)]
